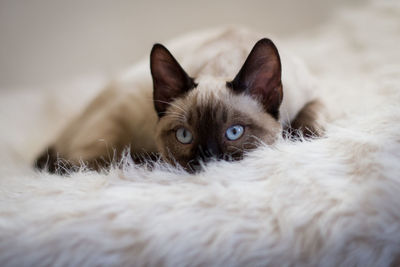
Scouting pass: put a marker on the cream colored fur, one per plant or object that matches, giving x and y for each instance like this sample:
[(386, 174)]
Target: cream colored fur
[(334, 201)]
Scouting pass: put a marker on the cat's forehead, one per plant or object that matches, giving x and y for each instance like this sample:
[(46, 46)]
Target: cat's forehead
[(208, 86), (211, 91)]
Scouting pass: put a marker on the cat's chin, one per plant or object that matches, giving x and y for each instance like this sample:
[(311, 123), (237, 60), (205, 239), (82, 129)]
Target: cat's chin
[(196, 166)]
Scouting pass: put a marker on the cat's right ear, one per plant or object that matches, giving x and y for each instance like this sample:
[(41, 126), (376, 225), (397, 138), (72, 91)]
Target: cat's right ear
[(169, 79), (260, 76)]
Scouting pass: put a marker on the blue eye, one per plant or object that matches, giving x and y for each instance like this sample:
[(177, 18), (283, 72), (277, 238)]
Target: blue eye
[(234, 132), (184, 136)]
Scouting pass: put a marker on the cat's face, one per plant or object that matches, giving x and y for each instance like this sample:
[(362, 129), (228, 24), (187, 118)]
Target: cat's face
[(216, 119)]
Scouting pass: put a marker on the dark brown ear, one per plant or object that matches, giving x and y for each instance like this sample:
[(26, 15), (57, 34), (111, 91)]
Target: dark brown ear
[(260, 76), (169, 79)]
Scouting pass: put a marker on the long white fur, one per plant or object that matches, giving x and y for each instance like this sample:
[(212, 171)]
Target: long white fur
[(334, 201)]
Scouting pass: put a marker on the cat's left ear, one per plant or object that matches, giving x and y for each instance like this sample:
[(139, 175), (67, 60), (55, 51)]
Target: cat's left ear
[(169, 79), (260, 76)]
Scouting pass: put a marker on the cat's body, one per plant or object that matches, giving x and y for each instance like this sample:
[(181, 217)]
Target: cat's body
[(124, 115)]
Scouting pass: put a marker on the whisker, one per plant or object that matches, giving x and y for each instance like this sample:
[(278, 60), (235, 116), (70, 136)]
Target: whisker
[(179, 119), (175, 114), (236, 150), (172, 104), (258, 140)]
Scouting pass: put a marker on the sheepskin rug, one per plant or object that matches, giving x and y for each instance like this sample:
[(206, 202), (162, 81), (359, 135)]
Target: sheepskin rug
[(333, 201)]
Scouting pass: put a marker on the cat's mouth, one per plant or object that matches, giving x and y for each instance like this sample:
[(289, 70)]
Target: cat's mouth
[(194, 167), (197, 165)]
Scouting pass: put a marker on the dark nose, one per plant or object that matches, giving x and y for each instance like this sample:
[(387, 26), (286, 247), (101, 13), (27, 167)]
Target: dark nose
[(209, 150)]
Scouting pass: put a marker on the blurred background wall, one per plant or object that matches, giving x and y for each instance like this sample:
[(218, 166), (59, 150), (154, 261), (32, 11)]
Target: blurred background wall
[(48, 41)]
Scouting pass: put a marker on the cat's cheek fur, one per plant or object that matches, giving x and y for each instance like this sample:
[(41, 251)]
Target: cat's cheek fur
[(253, 137), (170, 149)]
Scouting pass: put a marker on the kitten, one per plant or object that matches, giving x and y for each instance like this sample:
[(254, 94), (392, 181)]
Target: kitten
[(213, 116)]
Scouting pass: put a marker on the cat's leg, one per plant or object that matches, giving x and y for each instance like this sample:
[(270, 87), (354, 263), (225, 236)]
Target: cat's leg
[(98, 137), (89, 139), (310, 120)]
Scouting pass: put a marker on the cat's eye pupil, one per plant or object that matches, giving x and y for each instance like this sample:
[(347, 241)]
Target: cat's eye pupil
[(234, 132), (183, 135)]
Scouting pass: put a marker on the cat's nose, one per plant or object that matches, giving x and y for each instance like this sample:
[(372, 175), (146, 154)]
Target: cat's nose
[(209, 151)]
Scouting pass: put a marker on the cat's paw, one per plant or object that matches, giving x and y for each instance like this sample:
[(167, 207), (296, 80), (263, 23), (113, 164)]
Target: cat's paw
[(54, 162), (309, 122), (50, 161)]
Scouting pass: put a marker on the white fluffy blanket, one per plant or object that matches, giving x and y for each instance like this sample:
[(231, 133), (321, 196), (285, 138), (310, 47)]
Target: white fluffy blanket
[(328, 202)]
